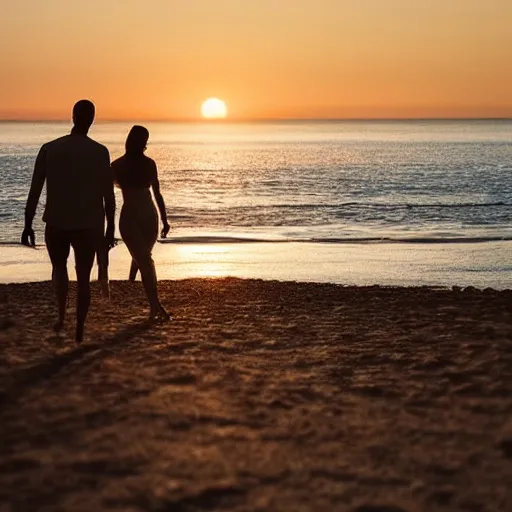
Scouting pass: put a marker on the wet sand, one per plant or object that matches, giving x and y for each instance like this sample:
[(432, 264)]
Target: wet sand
[(259, 396), (481, 265)]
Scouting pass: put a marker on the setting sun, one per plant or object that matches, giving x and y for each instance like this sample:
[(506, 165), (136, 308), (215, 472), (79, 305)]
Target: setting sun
[(213, 108)]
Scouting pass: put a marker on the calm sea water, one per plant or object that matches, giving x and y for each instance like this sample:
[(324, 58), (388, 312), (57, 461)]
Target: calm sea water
[(430, 181)]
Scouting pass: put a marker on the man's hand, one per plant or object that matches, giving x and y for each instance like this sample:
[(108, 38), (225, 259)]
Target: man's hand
[(109, 238), (165, 230), (28, 237)]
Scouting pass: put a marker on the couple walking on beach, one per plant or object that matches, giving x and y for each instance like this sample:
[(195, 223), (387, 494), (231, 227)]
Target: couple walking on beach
[(79, 195)]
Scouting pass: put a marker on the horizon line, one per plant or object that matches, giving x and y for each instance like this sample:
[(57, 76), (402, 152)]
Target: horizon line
[(260, 119)]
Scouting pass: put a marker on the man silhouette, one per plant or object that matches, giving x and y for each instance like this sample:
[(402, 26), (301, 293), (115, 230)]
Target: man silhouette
[(79, 192)]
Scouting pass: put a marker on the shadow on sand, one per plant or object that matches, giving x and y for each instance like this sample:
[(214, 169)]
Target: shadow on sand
[(33, 375)]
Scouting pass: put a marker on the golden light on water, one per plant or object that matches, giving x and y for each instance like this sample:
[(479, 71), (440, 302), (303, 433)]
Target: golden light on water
[(214, 108)]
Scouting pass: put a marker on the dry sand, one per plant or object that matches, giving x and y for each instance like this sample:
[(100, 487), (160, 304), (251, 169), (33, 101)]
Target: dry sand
[(260, 395)]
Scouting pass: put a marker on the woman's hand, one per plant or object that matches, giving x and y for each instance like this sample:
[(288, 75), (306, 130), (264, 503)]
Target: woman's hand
[(165, 230), (28, 238)]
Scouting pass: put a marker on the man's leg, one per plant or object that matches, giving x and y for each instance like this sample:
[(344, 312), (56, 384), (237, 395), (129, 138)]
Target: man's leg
[(58, 246), (85, 244), (102, 259)]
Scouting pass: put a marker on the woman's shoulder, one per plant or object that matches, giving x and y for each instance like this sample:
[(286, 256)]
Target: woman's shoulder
[(118, 162), (149, 161), (150, 167)]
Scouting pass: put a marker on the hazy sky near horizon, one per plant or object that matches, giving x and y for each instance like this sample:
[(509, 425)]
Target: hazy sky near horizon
[(158, 59)]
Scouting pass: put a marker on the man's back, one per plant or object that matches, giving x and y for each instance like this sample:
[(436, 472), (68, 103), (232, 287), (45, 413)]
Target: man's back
[(77, 176), (79, 195)]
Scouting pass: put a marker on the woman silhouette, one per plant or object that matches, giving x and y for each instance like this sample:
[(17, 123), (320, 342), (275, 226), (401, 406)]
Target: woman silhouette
[(135, 174)]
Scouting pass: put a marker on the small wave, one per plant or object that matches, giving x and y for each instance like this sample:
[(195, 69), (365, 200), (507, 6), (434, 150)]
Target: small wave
[(355, 204), (220, 240), (459, 205), (211, 239), (413, 240), (179, 217), (330, 240)]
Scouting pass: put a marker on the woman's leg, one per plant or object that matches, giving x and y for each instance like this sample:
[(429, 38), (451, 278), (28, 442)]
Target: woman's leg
[(147, 265), (139, 238), (147, 272), (133, 270)]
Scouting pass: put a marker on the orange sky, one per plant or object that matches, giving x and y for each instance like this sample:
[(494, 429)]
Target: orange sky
[(158, 59)]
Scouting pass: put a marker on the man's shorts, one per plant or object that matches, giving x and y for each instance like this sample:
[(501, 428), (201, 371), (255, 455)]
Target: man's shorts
[(85, 243)]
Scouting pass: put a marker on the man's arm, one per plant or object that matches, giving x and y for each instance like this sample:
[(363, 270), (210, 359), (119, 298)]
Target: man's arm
[(109, 200), (38, 179)]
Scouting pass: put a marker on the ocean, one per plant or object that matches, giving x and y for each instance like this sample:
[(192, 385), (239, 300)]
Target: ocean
[(303, 182)]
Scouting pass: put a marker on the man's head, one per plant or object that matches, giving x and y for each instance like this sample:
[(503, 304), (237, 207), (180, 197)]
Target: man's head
[(83, 114)]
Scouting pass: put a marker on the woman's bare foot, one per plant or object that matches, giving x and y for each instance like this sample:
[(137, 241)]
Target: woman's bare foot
[(164, 315), (159, 315)]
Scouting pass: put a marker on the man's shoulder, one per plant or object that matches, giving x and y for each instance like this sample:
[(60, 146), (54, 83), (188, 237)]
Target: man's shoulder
[(55, 142), (96, 148), (96, 144), (71, 140)]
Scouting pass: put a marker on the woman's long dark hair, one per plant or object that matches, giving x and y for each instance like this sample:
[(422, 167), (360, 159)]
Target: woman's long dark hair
[(135, 174), (136, 141)]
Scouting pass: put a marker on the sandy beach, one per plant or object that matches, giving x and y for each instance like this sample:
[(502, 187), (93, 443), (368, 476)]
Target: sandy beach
[(260, 395)]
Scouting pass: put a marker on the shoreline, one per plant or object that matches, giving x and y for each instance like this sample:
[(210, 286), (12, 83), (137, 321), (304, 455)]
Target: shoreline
[(482, 265), (260, 395)]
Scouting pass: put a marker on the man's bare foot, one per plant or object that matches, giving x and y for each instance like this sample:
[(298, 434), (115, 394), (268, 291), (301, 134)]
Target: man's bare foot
[(105, 288), (79, 334), (58, 325)]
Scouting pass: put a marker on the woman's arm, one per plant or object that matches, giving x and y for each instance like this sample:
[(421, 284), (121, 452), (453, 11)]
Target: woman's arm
[(159, 201)]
